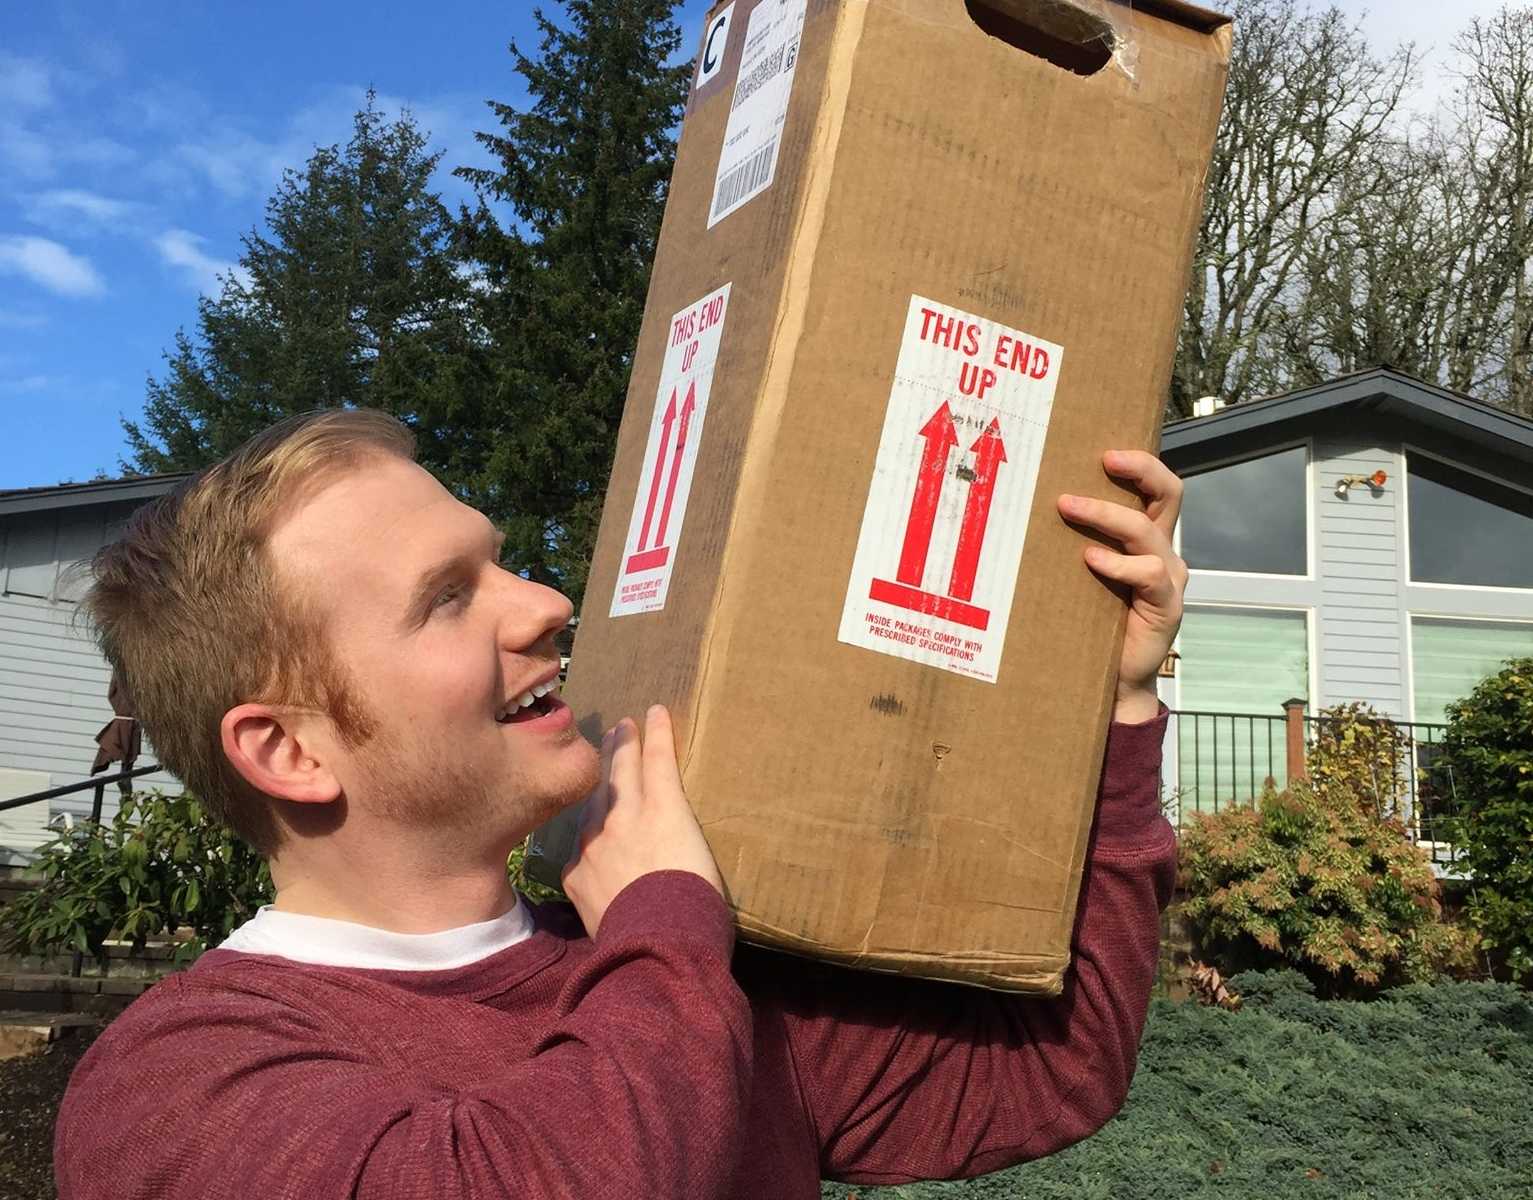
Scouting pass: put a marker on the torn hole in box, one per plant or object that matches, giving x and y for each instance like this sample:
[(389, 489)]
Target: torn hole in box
[(1080, 36)]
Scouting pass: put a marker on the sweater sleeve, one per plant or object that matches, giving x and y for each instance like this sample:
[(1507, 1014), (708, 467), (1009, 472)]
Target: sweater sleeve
[(906, 1080), (221, 1092)]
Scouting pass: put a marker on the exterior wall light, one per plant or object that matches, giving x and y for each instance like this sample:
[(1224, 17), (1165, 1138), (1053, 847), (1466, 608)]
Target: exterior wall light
[(1374, 483)]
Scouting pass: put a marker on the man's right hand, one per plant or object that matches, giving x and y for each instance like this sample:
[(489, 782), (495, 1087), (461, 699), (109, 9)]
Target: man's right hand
[(636, 821)]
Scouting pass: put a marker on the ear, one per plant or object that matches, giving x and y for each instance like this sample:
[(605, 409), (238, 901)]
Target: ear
[(280, 752)]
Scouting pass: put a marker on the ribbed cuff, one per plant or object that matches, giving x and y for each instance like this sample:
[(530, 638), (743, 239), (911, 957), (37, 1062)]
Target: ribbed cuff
[(667, 904), (1128, 801)]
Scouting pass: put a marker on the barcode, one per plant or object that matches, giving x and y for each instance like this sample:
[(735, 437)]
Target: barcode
[(745, 179), (763, 73)]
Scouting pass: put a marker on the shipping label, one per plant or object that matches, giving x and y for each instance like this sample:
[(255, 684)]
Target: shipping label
[(676, 429), (715, 44), (759, 110), (947, 513)]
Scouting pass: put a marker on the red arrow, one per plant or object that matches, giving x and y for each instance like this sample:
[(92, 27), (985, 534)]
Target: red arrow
[(989, 453), (687, 410), (940, 440), (654, 488)]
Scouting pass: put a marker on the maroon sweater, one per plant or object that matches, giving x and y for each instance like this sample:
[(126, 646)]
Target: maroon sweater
[(642, 1063)]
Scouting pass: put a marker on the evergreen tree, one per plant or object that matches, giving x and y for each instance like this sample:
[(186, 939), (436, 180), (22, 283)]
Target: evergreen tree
[(352, 297), (584, 172)]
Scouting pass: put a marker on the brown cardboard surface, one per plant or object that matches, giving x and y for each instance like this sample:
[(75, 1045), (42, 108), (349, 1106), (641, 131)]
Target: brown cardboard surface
[(865, 808)]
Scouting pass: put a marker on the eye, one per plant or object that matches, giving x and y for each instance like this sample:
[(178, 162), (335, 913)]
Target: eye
[(448, 597)]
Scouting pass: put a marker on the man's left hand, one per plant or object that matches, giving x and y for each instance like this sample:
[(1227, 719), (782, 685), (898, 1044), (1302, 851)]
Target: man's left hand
[(1147, 564)]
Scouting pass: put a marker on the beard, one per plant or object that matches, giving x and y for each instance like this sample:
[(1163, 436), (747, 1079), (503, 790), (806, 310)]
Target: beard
[(425, 790)]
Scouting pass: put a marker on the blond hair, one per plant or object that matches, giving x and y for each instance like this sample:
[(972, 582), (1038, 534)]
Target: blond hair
[(187, 607)]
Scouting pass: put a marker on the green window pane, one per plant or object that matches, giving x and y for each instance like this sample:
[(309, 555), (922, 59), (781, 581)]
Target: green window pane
[(1250, 516), (1242, 663), (1450, 657)]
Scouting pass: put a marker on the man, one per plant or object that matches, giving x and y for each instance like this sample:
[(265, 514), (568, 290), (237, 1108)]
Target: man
[(322, 645)]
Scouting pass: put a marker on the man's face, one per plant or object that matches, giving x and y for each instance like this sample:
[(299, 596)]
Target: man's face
[(437, 642)]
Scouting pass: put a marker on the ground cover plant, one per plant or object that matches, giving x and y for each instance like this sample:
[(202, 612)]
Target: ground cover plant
[(1421, 1093)]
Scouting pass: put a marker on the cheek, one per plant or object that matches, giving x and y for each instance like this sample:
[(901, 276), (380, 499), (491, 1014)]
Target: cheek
[(434, 678)]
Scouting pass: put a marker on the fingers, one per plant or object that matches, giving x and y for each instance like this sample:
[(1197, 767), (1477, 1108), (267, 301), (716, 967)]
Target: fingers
[(1134, 530), (625, 775), (660, 770), (1155, 481), (594, 811), (1150, 575)]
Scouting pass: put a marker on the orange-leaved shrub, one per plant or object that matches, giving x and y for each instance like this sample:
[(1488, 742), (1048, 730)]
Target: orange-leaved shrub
[(1322, 876)]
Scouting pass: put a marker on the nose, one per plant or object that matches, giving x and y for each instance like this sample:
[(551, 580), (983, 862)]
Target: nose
[(530, 613)]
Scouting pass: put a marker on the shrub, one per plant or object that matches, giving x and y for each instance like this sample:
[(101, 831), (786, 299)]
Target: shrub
[(1420, 1094), (1487, 761), (1359, 757), (1322, 877), (158, 865)]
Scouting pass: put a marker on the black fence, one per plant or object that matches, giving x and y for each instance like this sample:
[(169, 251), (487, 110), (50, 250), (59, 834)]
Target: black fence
[(1216, 760)]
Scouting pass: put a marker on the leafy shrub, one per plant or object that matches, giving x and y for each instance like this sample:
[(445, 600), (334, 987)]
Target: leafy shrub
[(516, 870), (1322, 877), (1421, 1094), (1487, 757), (159, 864), (1359, 757)]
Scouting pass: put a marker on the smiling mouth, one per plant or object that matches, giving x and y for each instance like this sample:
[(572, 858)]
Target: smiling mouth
[(529, 706)]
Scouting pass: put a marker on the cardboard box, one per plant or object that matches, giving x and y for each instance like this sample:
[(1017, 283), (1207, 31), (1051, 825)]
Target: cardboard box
[(914, 278)]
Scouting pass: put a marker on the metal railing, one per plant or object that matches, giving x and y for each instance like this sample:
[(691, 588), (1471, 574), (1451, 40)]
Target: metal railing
[(1219, 759), (84, 785)]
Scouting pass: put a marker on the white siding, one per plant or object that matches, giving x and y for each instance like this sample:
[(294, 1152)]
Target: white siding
[(53, 680), (1361, 627)]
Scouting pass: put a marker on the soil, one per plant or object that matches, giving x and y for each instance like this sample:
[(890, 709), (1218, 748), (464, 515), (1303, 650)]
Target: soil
[(30, 1091)]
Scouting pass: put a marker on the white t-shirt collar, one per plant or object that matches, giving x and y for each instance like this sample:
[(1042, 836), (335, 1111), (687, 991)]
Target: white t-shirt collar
[(322, 941)]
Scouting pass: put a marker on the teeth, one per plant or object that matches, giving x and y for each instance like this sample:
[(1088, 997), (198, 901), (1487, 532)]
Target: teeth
[(526, 700)]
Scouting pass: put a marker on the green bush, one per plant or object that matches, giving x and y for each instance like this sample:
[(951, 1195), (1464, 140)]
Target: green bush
[(158, 865), (1487, 761), (1323, 877), (1422, 1094)]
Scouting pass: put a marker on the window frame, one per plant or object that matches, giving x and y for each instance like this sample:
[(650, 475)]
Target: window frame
[(1412, 617), (1311, 647), (1406, 450), (1308, 445)]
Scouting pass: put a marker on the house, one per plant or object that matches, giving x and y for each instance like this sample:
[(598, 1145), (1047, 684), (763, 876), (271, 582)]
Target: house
[(53, 680), (1370, 539)]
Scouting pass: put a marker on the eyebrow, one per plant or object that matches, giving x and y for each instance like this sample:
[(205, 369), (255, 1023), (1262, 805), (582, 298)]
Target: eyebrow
[(434, 577)]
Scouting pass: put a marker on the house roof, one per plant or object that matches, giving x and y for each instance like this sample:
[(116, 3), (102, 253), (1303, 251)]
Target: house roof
[(74, 495), (1378, 397)]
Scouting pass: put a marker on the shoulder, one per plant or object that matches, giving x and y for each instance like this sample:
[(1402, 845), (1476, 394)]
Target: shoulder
[(223, 1010)]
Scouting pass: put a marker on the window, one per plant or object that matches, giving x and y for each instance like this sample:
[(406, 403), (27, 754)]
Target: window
[(1466, 529), (1250, 516), (1237, 661), (1448, 658)]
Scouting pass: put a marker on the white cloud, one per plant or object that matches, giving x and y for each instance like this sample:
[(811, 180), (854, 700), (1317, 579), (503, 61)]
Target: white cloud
[(23, 152), (10, 318), (24, 83), (27, 383), (69, 208), (182, 249), (1433, 26), (50, 265)]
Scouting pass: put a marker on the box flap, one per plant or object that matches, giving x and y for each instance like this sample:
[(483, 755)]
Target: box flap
[(1204, 20)]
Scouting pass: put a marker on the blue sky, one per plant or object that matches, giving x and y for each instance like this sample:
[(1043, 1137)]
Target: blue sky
[(139, 141)]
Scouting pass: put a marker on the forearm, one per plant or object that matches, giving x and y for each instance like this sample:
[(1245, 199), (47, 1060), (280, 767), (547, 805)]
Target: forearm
[(962, 1082)]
